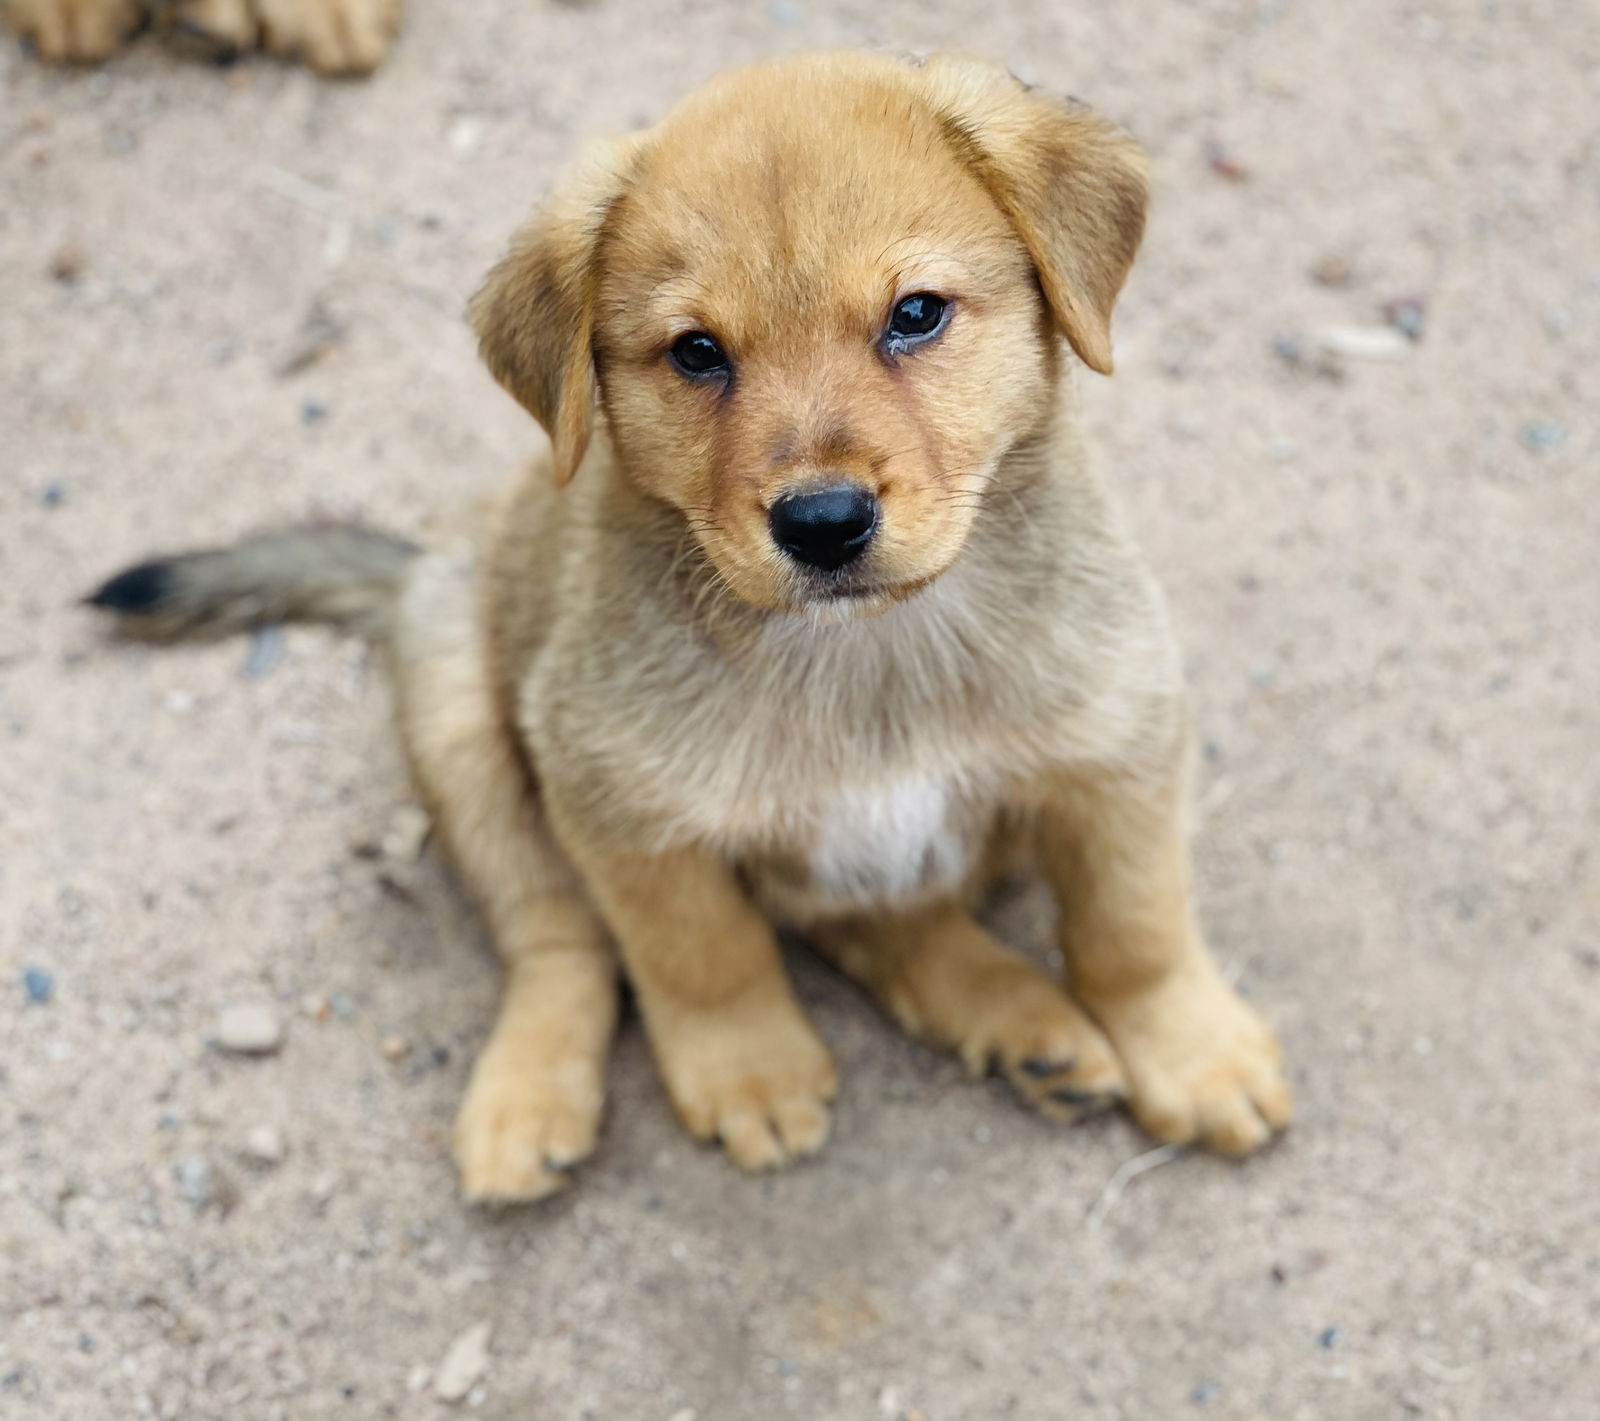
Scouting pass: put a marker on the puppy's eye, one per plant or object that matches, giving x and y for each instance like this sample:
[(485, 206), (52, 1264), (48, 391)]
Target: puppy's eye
[(698, 354), (919, 314)]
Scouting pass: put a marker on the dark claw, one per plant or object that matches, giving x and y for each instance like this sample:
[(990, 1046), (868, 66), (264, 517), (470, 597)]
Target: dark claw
[(1040, 1066), (218, 50)]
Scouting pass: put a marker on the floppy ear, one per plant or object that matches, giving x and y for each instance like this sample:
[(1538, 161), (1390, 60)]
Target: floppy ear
[(534, 313), (1073, 185)]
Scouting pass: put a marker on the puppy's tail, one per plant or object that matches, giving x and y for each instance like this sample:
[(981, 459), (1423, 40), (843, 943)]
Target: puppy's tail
[(341, 575)]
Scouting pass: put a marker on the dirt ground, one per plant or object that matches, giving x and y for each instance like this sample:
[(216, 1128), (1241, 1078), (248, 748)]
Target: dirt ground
[(233, 298)]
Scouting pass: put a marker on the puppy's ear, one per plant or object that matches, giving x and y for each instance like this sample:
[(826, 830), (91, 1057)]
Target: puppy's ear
[(534, 314), (1073, 185)]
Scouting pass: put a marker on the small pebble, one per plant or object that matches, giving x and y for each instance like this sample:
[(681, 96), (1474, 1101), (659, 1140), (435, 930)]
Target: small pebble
[(38, 984), (1542, 436), (1332, 270), (319, 336), (464, 1364), (395, 1048), (1408, 315), (406, 833), (195, 1179), (66, 266), (418, 1377), (1224, 164), (1289, 349), (1329, 1338), (249, 1031), (53, 494), (1207, 1391), (312, 412), (466, 136), (265, 1145), (1363, 342)]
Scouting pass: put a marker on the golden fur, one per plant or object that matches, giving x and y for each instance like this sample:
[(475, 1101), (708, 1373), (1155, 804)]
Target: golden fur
[(332, 36), (645, 734)]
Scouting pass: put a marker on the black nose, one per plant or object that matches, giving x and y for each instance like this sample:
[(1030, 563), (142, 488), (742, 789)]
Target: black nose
[(825, 529)]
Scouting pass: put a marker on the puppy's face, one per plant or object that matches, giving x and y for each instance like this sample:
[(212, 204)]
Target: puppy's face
[(818, 310)]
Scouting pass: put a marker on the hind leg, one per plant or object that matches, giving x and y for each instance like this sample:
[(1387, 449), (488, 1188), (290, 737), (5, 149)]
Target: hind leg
[(533, 1106)]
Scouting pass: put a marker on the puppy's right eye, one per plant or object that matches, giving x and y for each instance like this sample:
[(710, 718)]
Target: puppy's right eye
[(697, 354)]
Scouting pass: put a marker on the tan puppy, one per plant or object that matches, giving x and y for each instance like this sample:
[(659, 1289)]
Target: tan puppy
[(820, 618), (332, 36)]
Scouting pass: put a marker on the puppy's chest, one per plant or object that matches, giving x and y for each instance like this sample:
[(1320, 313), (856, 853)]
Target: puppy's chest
[(874, 844), (826, 813)]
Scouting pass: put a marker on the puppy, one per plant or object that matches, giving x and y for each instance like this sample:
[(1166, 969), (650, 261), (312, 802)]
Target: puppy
[(332, 36), (818, 617)]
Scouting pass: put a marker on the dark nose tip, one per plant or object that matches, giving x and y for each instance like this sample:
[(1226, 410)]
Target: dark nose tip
[(825, 529)]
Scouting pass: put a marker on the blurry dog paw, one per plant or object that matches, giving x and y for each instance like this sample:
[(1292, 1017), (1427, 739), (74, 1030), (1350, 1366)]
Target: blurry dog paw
[(1202, 1066), (332, 36), (523, 1126), (757, 1081), (74, 31), (1024, 1027)]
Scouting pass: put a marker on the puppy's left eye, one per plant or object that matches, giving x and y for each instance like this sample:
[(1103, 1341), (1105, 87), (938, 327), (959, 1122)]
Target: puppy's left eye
[(697, 354), (919, 314)]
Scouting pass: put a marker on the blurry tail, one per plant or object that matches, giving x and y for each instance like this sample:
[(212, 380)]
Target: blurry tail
[(342, 575)]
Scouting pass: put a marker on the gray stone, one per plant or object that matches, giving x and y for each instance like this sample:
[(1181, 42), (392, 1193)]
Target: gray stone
[(249, 1031)]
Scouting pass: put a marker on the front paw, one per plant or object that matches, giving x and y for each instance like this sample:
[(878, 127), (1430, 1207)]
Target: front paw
[(74, 31), (332, 36), (1202, 1066), (524, 1124), (755, 1077)]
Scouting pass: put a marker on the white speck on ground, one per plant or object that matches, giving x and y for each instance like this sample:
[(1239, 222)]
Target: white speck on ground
[(464, 1364), (248, 1030)]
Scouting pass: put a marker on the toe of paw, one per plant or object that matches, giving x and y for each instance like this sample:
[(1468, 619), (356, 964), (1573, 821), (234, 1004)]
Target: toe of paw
[(802, 1125), (493, 1188), (497, 1168), (1275, 1100)]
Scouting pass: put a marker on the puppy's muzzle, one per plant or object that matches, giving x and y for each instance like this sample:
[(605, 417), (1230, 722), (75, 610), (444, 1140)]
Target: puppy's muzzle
[(825, 528)]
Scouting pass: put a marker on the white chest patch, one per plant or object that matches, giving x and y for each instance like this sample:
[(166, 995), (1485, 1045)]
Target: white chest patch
[(888, 841)]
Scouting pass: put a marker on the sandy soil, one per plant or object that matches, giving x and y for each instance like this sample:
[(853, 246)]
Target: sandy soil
[(1386, 577)]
